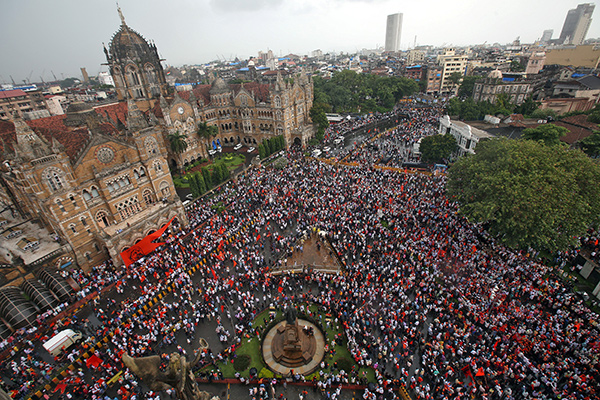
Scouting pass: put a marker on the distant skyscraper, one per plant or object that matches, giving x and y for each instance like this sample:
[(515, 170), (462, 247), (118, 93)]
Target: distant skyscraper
[(547, 35), (392, 32), (577, 24)]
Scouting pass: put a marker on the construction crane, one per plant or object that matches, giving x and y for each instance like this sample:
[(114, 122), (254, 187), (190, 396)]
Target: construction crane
[(55, 78)]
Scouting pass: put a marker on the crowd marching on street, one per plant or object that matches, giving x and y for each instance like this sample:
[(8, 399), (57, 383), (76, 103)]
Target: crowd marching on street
[(427, 299)]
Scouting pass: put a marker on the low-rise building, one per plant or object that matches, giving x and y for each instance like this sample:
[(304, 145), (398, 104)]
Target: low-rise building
[(20, 102), (466, 136), (490, 88)]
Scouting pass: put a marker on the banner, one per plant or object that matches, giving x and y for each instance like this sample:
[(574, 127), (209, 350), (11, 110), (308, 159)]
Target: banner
[(144, 246)]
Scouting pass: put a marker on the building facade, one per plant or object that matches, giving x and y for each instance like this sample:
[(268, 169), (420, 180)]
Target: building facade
[(466, 136), (97, 178), (577, 24), (20, 102), (490, 88), (393, 31), (451, 63), (242, 113)]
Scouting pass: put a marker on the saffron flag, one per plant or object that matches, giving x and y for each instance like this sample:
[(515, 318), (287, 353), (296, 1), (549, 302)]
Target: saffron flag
[(144, 246), (94, 361)]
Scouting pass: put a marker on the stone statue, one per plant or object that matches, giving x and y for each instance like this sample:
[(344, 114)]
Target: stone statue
[(178, 374), (291, 315)]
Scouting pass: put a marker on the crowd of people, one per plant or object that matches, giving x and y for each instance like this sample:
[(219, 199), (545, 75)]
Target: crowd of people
[(428, 300)]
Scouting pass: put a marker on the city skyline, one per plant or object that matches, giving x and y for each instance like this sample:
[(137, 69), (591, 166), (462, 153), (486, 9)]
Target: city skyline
[(63, 36)]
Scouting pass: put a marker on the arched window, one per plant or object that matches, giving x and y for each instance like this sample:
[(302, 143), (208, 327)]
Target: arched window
[(72, 198), (164, 189), (83, 221), (148, 198), (73, 228), (86, 195), (157, 166), (102, 219), (135, 174), (277, 101), (53, 177), (60, 205), (88, 256), (95, 191), (142, 172)]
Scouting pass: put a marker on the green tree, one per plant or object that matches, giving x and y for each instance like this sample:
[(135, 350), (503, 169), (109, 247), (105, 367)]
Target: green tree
[(177, 142), (516, 66), (201, 183), (591, 145), (261, 151), (594, 117), (207, 177), (225, 174), (317, 115), (455, 78), (527, 107), (207, 131), (193, 181), (543, 113), (549, 134), (437, 147), (217, 175), (528, 194), (467, 85)]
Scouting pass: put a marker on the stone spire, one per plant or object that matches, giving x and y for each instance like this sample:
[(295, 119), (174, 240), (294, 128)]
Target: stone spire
[(121, 14), (29, 145), (136, 121)]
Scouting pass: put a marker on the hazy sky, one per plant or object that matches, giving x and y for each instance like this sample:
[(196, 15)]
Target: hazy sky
[(64, 35)]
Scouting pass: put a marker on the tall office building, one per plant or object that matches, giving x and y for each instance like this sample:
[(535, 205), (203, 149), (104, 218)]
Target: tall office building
[(392, 32), (546, 36), (577, 24)]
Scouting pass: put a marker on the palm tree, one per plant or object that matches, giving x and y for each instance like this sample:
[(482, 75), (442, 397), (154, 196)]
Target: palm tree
[(206, 131), (177, 142)]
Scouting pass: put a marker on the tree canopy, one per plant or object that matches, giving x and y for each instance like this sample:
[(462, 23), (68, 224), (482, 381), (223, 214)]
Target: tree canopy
[(591, 145), (548, 134), (177, 142), (529, 194), (436, 148), (206, 131), (348, 91)]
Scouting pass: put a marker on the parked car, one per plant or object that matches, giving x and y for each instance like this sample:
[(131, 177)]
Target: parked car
[(237, 146), (251, 149)]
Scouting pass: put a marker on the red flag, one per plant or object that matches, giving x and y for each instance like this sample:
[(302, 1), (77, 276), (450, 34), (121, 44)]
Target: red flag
[(93, 361), (61, 387), (480, 372), (280, 289), (144, 246)]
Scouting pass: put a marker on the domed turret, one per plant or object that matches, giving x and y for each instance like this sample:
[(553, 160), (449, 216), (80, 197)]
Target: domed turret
[(135, 65)]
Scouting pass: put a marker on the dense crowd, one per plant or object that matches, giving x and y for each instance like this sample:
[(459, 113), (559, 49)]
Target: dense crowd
[(428, 300)]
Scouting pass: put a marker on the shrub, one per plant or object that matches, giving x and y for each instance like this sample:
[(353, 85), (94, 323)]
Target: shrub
[(241, 363), (266, 373), (345, 364)]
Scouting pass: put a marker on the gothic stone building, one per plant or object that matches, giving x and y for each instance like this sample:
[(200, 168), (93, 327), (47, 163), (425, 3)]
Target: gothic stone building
[(97, 178), (243, 113)]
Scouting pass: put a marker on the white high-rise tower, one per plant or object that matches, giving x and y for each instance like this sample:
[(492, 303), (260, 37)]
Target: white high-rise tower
[(392, 32)]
